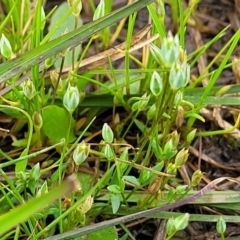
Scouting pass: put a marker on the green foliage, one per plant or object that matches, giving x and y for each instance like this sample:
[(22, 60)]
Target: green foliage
[(52, 112), (66, 25), (59, 118), (108, 233)]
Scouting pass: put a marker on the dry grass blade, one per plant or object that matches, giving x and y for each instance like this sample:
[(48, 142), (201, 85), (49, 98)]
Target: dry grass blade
[(98, 60)]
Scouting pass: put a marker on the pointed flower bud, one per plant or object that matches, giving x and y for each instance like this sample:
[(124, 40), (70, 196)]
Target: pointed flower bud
[(191, 136), (71, 98), (221, 225), (178, 98), (179, 75), (182, 56), (86, 205), (181, 221), (50, 61), (107, 133), (5, 47), (181, 158), (170, 228), (156, 84), (109, 153), (171, 169), (151, 112), (141, 103), (196, 178), (100, 10), (37, 120), (81, 153), (180, 116), (28, 89), (168, 54), (175, 139)]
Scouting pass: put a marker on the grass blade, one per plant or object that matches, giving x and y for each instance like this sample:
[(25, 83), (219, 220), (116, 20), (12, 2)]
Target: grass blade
[(18, 65)]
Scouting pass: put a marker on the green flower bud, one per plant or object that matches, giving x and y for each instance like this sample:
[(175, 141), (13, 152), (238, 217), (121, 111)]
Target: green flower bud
[(99, 11), (181, 158), (171, 194), (180, 116), (37, 120), (179, 75), (221, 225), (168, 54), (107, 133), (181, 221), (196, 178), (81, 153), (157, 149), (181, 189), (172, 169), (143, 102), (182, 56), (170, 228), (5, 47), (28, 89), (175, 139), (151, 112), (109, 153), (178, 98), (168, 151), (156, 84), (86, 205), (71, 98), (191, 136), (50, 61)]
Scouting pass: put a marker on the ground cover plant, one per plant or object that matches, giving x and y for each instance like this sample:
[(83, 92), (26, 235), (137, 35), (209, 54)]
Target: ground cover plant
[(103, 121)]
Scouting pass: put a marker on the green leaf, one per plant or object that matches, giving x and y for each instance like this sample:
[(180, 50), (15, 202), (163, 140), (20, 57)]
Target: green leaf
[(115, 189), (116, 201), (107, 233), (85, 180), (142, 127), (21, 166), (68, 24), (56, 123), (132, 180)]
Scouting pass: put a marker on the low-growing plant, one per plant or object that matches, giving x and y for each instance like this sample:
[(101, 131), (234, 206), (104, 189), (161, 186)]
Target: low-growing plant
[(45, 78)]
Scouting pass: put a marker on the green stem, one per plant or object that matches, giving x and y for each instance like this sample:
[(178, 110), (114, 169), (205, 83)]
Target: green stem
[(77, 203), (60, 169)]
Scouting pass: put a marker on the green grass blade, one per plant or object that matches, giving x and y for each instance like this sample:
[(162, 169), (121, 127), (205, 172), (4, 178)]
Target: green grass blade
[(23, 212), (39, 54)]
